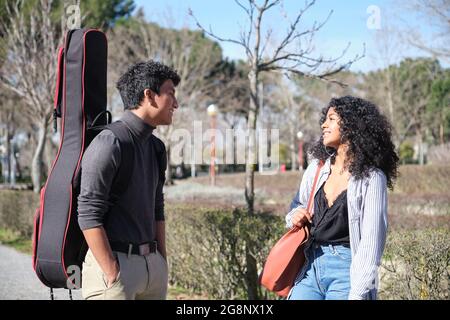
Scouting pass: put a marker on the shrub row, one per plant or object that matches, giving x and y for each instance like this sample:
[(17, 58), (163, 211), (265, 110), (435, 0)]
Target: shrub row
[(209, 248), (17, 211), (416, 265)]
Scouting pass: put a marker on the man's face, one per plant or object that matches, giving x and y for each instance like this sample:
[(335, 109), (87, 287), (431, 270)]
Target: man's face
[(166, 103)]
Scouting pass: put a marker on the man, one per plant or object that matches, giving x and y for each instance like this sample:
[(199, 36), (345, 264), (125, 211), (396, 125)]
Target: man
[(126, 234)]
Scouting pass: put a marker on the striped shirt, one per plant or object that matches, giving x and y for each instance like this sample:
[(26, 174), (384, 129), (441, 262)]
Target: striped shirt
[(367, 218)]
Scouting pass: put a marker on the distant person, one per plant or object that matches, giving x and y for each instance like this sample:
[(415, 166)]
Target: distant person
[(348, 222), (126, 237)]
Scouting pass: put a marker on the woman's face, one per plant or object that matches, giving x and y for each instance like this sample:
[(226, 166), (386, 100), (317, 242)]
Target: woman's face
[(330, 129)]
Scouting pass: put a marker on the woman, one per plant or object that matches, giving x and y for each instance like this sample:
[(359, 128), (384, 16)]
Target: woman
[(349, 215)]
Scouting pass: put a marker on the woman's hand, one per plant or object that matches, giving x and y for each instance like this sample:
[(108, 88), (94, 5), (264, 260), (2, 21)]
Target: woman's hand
[(301, 217)]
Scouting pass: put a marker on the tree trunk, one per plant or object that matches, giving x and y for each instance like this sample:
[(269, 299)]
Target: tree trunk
[(293, 153), (251, 275), (49, 154), (234, 150), (390, 100), (250, 165), (169, 180), (420, 141), (18, 168), (36, 166), (251, 147), (7, 170), (392, 117)]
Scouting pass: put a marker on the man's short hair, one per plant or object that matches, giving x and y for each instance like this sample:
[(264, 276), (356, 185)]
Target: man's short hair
[(143, 75)]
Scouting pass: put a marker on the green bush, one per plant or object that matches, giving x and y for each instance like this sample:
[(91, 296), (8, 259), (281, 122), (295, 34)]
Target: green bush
[(416, 265), (17, 211), (208, 249), (406, 153)]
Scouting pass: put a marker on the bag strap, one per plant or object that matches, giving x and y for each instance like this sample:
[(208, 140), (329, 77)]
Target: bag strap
[(311, 195), (59, 82), (58, 88)]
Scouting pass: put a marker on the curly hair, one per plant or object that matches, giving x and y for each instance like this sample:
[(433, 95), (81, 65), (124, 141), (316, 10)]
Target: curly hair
[(368, 134), (143, 75)]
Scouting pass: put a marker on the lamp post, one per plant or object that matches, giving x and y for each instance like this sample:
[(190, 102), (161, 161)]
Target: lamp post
[(212, 113), (300, 150)]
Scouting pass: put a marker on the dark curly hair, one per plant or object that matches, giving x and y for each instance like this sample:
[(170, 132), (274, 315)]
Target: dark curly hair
[(143, 75), (368, 134)]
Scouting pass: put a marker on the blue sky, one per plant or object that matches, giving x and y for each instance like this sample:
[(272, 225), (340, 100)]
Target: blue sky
[(348, 23)]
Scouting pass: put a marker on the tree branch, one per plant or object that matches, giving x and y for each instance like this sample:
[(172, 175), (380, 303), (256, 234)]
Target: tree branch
[(211, 34)]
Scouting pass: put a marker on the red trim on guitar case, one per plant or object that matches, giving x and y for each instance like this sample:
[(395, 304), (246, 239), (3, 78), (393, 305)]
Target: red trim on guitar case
[(41, 214)]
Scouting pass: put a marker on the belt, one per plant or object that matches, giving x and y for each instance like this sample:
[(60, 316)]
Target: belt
[(130, 248), (317, 245)]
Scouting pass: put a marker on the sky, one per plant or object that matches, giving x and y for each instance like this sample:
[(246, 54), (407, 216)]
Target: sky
[(353, 21)]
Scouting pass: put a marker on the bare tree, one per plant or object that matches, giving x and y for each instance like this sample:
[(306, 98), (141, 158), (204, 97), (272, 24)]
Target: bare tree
[(7, 126), (435, 13), (282, 58), (381, 86), (29, 70), (388, 49)]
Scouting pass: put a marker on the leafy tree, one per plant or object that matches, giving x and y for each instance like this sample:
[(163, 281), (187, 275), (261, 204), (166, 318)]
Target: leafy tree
[(414, 80), (106, 13), (101, 14), (438, 109), (404, 91), (406, 152), (28, 70)]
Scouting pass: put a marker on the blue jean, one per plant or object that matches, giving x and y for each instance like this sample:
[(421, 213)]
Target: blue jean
[(327, 275)]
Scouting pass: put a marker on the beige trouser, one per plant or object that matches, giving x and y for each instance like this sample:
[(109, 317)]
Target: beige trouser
[(140, 278)]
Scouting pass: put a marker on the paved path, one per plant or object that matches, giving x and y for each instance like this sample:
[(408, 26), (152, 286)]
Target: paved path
[(19, 282)]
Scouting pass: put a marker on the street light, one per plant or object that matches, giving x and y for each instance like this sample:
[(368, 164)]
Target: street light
[(212, 113), (300, 150)]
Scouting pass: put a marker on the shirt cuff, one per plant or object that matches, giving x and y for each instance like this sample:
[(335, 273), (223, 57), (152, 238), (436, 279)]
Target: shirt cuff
[(86, 224)]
